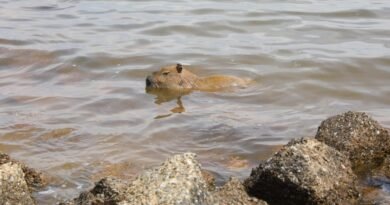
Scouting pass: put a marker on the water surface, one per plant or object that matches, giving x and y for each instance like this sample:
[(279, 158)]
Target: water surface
[(72, 76)]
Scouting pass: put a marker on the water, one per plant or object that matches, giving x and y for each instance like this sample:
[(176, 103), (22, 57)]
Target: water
[(72, 76)]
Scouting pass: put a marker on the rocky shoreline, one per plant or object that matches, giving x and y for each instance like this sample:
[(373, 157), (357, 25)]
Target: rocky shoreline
[(17, 182), (330, 168)]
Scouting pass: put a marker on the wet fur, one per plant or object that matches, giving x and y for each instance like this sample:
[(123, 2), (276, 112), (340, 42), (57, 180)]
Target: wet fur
[(178, 78)]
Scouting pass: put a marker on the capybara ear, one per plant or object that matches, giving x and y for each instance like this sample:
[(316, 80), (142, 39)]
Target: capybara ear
[(179, 68)]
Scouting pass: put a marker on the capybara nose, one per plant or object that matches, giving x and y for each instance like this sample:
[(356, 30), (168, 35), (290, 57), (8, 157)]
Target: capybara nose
[(148, 82)]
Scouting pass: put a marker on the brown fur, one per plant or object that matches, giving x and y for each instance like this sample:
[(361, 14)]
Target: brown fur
[(178, 78)]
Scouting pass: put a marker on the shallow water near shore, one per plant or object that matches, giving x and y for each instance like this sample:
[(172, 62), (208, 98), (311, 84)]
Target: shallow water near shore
[(72, 76)]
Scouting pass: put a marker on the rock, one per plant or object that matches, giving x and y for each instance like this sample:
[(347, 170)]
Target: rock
[(108, 190), (382, 201), (374, 195), (178, 180), (383, 170), (305, 171), (358, 136), (33, 178), (377, 185), (13, 187), (234, 193), (4, 158), (209, 179)]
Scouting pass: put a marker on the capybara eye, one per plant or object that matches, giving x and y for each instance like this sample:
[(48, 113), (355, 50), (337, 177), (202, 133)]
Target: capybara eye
[(165, 73)]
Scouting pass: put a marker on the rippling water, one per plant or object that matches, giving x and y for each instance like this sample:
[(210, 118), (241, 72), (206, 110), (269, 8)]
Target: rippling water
[(72, 72)]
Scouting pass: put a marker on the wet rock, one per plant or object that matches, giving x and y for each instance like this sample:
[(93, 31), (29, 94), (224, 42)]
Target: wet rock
[(4, 158), (178, 180), (13, 187), (384, 201), (108, 190), (33, 178), (305, 171), (374, 196), (234, 193), (358, 136), (383, 170), (209, 179), (376, 187)]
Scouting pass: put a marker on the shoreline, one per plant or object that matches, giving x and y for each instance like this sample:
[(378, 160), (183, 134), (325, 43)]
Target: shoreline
[(346, 159)]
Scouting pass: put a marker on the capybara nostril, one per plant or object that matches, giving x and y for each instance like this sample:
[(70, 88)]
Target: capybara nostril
[(148, 82)]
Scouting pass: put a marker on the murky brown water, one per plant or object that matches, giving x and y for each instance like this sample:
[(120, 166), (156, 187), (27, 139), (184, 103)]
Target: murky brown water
[(72, 72)]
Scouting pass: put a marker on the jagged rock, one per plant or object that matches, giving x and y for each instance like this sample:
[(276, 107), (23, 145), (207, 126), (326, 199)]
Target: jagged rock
[(33, 178), (178, 180), (13, 187), (108, 190), (305, 171), (358, 136), (111, 189), (234, 193)]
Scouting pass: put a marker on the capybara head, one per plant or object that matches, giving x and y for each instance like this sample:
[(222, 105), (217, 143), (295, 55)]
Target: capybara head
[(171, 77)]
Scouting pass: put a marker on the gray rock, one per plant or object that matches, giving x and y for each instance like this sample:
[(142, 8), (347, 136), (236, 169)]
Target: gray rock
[(178, 180), (305, 171), (358, 136), (234, 193), (33, 178), (13, 187)]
